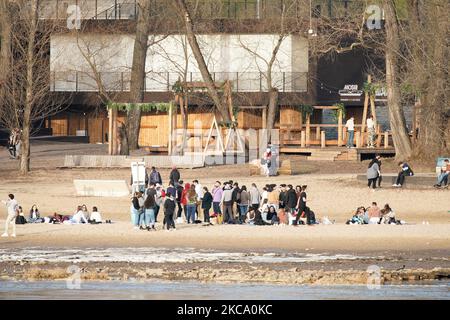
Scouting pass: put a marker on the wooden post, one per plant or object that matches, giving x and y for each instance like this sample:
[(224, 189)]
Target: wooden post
[(366, 107), (344, 135), (386, 140), (264, 118), (318, 133), (171, 130), (301, 120), (373, 111), (174, 125), (340, 129), (322, 139), (358, 139), (110, 130), (308, 130), (303, 139), (115, 148), (378, 143)]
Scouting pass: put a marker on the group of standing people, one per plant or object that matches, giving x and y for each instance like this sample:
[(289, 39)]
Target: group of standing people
[(371, 132), (227, 203)]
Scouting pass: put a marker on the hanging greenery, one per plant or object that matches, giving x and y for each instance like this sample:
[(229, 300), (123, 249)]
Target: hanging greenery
[(371, 88), (305, 109), (177, 87), (340, 108), (145, 107), (227, 124)]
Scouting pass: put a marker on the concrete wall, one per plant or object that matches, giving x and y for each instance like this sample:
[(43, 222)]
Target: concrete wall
[(226, 56)]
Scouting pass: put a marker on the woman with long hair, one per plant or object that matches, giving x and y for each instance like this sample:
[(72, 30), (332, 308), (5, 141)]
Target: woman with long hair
[(191, 199)]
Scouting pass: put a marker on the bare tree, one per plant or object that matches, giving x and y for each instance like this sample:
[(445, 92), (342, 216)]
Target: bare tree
[(133, 122), (282, 33), (206, 75), (26, 96), (397, 121)]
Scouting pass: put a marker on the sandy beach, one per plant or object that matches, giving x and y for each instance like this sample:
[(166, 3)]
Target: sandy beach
[(333, 192)]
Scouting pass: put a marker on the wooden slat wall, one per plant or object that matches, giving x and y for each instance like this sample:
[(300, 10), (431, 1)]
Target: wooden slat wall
[(289, 117), (59, 126), (97, 128), (250, 119)]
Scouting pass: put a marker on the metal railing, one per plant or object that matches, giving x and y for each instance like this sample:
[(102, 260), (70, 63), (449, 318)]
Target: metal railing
[(78, 81), (200, 9)]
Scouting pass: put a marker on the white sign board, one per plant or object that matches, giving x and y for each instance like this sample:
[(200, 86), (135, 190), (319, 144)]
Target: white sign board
[(138, 175)]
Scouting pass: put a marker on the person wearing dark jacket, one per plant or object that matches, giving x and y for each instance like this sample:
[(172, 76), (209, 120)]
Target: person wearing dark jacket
[(206, 204), (235, 198), (155, 177), (175, 176), (179, 188), (291, 199), (282, 197), (169, 210), (405, 171)]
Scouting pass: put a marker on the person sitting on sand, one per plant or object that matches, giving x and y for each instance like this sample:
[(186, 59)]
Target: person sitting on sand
[(282, 216), (79, 216), (388, 216), (20, 218), (272, 216), (358, 217), (254, 217), (374, 214), (35, 216), (96, 217), (85, 211)]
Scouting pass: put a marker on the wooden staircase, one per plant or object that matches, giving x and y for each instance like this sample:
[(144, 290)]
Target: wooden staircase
[(333, 155)]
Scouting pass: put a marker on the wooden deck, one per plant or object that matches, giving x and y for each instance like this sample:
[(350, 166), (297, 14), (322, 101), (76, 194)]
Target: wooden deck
[(336, 153)]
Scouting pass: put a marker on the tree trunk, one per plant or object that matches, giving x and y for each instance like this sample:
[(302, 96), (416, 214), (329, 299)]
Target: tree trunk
[(26, 121), (400, 135), (271, 112), (5, 35), (201, 61), (432, 141), (133, 123)]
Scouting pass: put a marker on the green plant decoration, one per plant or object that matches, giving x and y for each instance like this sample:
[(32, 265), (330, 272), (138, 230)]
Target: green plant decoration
[(340, 108), (145, 107), (305, 109)]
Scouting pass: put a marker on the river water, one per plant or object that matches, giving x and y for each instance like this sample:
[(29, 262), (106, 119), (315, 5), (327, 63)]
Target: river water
[(98, 290)]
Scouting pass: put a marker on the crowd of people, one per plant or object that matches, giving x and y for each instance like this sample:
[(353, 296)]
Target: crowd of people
[(226, 203)]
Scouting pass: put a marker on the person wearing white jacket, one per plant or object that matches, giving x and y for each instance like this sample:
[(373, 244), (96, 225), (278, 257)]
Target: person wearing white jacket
[(12, 208)]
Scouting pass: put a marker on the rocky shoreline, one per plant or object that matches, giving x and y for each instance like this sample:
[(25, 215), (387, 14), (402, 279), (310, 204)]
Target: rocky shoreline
[(285, 274)]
